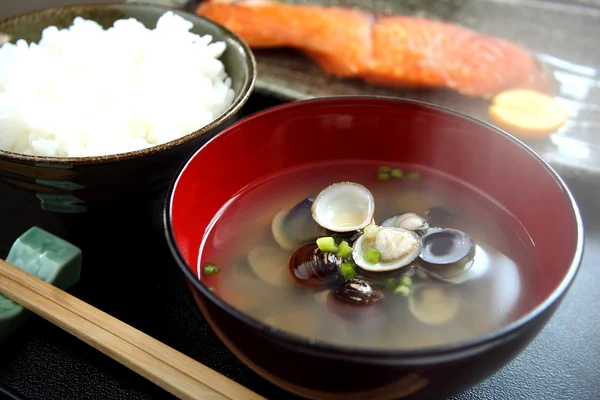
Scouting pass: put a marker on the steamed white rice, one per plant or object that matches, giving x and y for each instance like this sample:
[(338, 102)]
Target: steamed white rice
[(86, 91)]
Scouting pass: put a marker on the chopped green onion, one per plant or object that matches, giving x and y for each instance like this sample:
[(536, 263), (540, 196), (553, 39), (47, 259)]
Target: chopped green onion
[(415, 176), (406, 281), (371, 231), (210, 269), (348, 271), (383, 176), (391, 283), (397, 173), (326, 244), (403, 290), (211, 289), (344, 249), (372, 256), (385, 169)]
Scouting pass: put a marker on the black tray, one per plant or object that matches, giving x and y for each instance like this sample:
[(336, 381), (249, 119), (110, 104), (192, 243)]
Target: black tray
[(146, 290), (563, 34)]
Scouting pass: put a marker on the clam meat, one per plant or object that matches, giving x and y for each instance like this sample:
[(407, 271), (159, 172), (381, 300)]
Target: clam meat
[(391, 249), (312, 268), (295, 227), (344, 207), (408, 221)]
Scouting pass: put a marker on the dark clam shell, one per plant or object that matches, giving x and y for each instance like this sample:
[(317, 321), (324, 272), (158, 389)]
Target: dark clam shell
[(312, 268), (446, 246), (347, 312), (440, 216), (299, 224), (359, 292), (447, 252)]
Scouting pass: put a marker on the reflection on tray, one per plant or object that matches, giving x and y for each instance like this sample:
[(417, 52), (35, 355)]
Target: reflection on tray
[(576, 143)]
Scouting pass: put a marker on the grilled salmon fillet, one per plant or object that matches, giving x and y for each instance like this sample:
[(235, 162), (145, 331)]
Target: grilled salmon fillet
[(399, 51)]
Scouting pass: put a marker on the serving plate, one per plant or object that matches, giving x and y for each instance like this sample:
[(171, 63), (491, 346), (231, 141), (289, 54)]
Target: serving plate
[(562, 35)]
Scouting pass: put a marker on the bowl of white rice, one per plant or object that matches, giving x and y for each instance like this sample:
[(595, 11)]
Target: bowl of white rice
[(100, 104)]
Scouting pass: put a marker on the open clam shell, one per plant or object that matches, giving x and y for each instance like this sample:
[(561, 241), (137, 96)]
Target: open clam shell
[(444, 246), (447, 254), (344, 207), (398, 248)]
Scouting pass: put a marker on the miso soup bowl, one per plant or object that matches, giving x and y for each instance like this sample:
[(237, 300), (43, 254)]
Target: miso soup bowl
[(385, 130), (75, 197)]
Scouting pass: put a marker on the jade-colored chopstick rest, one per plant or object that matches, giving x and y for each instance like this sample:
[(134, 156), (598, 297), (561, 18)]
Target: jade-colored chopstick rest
[(45, 256)]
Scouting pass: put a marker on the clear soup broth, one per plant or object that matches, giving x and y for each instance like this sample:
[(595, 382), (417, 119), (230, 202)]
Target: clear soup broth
[(498, 286)]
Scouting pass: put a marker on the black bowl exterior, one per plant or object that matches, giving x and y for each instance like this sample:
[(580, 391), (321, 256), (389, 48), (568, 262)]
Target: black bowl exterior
[(73, 196), (72, 200), (335, 375)]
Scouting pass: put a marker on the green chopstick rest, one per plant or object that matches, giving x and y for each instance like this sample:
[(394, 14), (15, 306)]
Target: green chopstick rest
[(46, 257)]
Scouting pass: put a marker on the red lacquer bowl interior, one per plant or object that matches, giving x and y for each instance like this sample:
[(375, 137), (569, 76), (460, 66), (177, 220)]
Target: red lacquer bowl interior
[(384, 130)]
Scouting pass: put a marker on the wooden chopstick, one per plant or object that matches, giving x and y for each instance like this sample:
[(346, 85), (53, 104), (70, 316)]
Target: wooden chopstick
[(175, 372)]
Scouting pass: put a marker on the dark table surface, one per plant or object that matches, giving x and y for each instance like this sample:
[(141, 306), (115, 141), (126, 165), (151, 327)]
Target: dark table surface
[(145, 290)]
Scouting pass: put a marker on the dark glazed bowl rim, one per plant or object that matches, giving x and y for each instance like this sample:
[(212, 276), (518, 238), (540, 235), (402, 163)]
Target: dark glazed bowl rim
[(306, 345), (239, 100)]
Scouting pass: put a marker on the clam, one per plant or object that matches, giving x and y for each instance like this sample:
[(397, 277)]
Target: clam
[(312, 268), (270, 264), (348, 312), (433, 305), (358, 291), (295, 227), (396, 248), (408, 221), (447, 254), (344, 207), (440, 216)]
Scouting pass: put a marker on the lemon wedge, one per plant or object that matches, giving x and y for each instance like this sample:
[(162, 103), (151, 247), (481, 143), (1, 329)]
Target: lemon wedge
[(527, 113)]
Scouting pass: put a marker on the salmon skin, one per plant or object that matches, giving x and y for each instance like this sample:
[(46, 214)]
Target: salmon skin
[(397, 51)]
